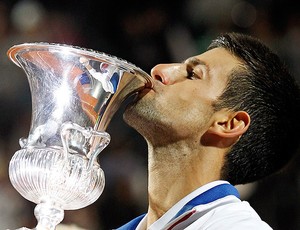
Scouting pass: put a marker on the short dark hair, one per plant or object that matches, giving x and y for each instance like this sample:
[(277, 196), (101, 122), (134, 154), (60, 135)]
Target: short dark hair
[(263, 87)]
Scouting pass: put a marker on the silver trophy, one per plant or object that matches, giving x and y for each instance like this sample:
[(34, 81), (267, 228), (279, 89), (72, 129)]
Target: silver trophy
[(75, 93)]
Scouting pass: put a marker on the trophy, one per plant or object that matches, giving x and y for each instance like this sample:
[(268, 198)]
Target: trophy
[(75, 93)]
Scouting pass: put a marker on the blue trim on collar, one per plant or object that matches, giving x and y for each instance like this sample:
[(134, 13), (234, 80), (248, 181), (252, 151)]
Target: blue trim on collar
[(210, 195), (132, 224), (206, 197)]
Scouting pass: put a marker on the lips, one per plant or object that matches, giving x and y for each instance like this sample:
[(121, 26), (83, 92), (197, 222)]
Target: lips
[(144, 91)]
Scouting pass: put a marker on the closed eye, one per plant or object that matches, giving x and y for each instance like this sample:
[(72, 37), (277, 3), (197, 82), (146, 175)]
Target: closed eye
[(192, 74), (196, 68)]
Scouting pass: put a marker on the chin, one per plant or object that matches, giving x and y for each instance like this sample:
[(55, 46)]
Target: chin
[(138, 113), (131, 113)]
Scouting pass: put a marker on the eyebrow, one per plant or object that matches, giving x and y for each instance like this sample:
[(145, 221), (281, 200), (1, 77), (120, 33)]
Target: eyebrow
[(193, 61)]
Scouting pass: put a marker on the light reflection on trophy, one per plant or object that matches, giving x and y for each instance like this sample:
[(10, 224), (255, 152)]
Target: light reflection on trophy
[(75, 93)]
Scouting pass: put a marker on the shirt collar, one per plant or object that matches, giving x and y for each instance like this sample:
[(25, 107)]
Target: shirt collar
[(171, 213)]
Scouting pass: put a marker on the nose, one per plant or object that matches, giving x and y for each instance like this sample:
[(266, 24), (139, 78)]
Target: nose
[(168, 74)]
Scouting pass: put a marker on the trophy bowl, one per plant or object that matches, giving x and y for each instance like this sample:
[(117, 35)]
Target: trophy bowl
[(75, 92)]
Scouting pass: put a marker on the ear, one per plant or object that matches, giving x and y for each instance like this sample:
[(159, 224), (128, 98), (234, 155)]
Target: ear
[(227, 128), (230, 125)]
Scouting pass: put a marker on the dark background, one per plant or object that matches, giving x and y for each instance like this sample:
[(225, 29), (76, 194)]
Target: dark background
[(144, 33)]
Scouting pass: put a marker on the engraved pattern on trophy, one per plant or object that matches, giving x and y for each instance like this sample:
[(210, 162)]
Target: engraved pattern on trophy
[(75, 92)]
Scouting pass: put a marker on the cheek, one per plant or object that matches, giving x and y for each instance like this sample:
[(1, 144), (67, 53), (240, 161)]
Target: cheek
[(187, 110), (187, 101)]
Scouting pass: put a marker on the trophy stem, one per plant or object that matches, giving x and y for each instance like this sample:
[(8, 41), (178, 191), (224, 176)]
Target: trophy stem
[(48, 215)]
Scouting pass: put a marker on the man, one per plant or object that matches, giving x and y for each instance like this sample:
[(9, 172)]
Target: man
[(228, 116)]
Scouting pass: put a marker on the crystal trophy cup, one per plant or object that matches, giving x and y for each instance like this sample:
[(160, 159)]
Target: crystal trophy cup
[(75, 92)]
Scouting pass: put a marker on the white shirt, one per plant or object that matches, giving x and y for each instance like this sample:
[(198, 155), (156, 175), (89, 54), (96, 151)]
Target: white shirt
[(227, 212)]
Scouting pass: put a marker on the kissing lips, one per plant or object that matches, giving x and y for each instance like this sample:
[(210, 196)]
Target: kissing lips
[(142, 93)]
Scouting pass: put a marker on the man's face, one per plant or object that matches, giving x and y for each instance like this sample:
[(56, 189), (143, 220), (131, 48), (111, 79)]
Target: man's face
[(180, 103)]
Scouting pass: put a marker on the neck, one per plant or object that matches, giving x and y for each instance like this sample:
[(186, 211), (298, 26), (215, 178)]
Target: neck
[(175, 171)]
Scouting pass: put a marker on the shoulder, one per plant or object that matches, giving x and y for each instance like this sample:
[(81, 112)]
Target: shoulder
[(233, 216)]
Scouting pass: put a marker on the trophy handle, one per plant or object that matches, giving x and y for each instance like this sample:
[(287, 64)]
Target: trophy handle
[(79, 141)]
